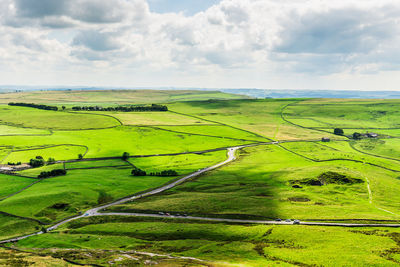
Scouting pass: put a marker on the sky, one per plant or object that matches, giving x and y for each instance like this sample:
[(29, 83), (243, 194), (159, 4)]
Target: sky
[(266, 44)]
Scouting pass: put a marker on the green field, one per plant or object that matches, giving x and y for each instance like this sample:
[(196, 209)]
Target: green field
[(95, 164), (284, 172), (221, 245), (111, 143), (11, 184), (24, 117), (258, 186), (60, 152), (153, 118)]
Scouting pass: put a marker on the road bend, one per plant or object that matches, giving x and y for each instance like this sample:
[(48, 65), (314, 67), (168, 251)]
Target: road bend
[(231, 157), (95, 211)]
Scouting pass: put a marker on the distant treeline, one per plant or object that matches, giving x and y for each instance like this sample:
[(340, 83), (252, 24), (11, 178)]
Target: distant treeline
[(153, 107), (52, 173), (31, 105)]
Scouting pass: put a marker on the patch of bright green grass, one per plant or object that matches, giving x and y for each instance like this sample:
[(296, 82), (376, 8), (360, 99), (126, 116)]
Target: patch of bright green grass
[(34, 172), (113, 142), (79, 190), (61, 152), (11, 184), (10, 130), (95, 164), (13, 227), (43, 119), (183, 164)]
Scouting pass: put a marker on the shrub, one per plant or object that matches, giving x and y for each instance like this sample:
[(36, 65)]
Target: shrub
[(104, 198), (14, 164), (51, 161), (138, 172)]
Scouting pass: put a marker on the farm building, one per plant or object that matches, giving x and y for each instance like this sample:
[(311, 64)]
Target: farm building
[(372, 135)]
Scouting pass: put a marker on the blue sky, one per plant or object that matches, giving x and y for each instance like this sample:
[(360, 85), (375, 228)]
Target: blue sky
[(189, 7), (276, 44)]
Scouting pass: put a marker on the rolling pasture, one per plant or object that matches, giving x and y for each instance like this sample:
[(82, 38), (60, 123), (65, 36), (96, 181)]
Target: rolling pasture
[(226, 245), (284, 171)]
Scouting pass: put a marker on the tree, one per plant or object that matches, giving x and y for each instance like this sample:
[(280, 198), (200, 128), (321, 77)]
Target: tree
[(125, 156), (357, 136), (38, 162), (51, 161), (338, 131), (80, 156)]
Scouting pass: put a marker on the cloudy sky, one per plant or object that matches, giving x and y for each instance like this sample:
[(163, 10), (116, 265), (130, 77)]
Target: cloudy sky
[(277, 44)]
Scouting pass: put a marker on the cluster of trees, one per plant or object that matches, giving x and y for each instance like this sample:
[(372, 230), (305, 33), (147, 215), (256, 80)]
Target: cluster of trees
[(39, 162), (138, 172), (52, 173), (153, 107), (166, 173), (31, 105), (14, 164)]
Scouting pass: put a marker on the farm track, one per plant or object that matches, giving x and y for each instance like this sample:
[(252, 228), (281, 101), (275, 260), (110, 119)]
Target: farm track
[(94, 211)]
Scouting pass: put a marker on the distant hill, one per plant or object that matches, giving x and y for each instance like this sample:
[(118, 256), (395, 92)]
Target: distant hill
[(261, 93)]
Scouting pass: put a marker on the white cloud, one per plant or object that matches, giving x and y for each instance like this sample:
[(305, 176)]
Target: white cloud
[(268, 37)]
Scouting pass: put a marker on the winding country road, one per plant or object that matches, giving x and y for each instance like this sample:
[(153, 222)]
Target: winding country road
[(95, 211), (231, 157)]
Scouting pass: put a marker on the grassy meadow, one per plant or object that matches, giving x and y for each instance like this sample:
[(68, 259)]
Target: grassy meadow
[(228, 245), (289, 173)]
